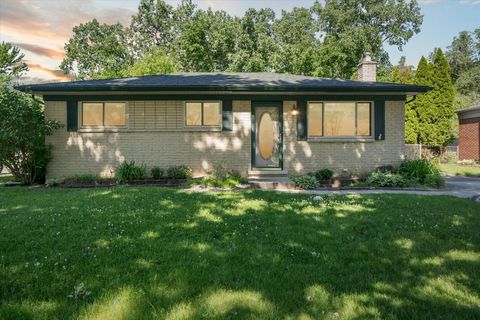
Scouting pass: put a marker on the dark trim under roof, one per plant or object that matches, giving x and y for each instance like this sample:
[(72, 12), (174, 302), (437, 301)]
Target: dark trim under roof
[(220, 81)]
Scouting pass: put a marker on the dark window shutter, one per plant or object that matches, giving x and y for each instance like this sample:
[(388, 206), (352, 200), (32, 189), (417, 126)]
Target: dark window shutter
[(72, 115), (302, 120), (379, 119), (227, 115)]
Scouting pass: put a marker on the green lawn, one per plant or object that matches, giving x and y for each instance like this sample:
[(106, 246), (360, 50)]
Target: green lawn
[(147, 252), (459, 170)]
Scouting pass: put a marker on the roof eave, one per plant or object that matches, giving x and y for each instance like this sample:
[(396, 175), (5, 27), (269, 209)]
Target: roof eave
[(410, 90)]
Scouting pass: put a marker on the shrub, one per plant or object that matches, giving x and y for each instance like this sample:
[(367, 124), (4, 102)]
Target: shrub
[(22, 135), (418, 169), (305, 182), (156, 172), (386, 179), (180, 172), (128, 171), (51, 183), (323, 174)]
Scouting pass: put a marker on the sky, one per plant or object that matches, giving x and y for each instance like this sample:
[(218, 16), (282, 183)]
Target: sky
[(40, 28)]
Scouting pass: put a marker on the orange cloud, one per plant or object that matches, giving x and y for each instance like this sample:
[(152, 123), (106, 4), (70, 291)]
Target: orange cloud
[(42, 51), (42, 28), (54, 21), (57, 74)]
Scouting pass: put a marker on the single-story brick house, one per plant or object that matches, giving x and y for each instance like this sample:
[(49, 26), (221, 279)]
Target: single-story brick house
[(251, 122), (469, 133)]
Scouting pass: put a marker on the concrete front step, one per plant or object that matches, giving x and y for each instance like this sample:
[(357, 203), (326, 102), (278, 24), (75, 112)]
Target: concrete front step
[(275, 183), (267, 173)]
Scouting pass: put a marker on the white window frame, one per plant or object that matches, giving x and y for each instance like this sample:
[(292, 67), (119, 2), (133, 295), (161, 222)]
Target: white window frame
[(202, 102), (80, 115), (351, 137)]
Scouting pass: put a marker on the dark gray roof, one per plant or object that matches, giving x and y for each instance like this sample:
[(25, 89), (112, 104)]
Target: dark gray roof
[(469, 113), (222, 81), (474, 108)]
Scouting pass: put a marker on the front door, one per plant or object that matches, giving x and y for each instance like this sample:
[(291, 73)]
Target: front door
[(267, 135)]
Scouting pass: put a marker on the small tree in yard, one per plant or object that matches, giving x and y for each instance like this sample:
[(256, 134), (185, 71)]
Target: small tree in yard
[(22, 135)]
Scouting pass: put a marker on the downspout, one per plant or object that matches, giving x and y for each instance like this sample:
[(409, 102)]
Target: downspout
[(411, 100)]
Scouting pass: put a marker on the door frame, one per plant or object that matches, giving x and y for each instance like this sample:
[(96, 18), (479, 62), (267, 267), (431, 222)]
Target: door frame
[(279, 106)]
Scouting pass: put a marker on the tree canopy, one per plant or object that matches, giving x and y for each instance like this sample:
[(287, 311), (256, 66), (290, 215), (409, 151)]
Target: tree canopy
[(463, 54), (324, 40), (11, 62), (429, 117)]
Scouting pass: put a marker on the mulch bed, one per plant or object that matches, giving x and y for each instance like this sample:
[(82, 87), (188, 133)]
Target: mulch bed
[(105, 183), (338, 182)]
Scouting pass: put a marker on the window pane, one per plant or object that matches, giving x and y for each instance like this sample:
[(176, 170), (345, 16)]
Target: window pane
[(115, 114), (193, 111), (314, 119), (92, 114), (363, 119), (339, 119), (211, 114)]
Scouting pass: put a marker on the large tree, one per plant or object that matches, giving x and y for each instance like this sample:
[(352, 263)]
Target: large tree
[(206, 42), (414, 110), (324, 40), (352, 27), (463, 55), (434, 111), (296, 33), (155, 62), (11, 62), (153, 25), (254, 44), (97, 51)]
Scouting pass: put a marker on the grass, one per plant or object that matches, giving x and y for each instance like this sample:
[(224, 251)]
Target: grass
[(460, 170), (4, 178), (150, 253)]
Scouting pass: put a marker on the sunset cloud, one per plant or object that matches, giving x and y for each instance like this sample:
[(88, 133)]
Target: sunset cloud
[(56, 74), (42, 27), (42, 51)]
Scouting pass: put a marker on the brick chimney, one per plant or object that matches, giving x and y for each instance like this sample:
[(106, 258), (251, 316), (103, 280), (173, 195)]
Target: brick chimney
[(367, 69)]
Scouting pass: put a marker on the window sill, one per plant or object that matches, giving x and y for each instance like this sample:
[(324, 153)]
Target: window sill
[(126, 130), (100, 130), (346, 139)]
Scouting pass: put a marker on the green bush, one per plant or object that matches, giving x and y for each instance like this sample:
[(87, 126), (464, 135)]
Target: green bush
[(180, 172), (323, 174), (51, 183), (156, 172), (386, 179), (418, 170), (305, 182), (23, 129), (128, 171)]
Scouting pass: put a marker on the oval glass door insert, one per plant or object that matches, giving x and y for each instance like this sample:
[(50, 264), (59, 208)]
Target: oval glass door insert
[(265, 136)]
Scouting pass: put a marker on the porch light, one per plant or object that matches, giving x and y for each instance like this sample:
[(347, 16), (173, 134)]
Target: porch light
[(295, 111)]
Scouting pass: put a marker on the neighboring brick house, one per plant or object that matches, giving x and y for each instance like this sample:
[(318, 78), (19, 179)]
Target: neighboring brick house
[(469, 133), (253, 122)]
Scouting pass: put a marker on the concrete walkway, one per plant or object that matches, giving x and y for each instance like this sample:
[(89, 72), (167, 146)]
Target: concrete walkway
[(462, 187)]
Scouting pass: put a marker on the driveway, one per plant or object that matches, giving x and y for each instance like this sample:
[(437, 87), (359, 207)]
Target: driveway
[(465, 187)]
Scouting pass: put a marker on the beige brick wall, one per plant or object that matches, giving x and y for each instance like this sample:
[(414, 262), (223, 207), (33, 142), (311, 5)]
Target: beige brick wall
[(99, 153), (304, 156)]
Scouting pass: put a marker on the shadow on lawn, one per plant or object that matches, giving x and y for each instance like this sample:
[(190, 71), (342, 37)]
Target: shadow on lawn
[(178, 255)]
